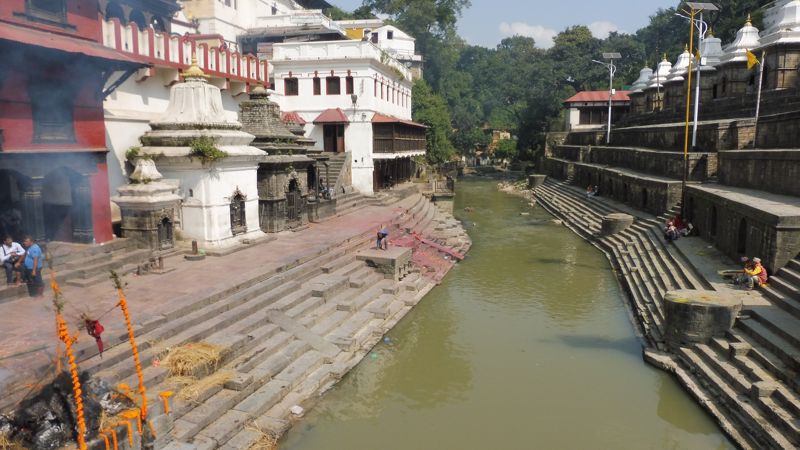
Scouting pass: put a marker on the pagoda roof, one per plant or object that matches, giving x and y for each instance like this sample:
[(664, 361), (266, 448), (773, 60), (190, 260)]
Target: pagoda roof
[(332, 115)]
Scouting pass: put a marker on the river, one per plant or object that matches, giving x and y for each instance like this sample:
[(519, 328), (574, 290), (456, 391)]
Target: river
[(525, 345)]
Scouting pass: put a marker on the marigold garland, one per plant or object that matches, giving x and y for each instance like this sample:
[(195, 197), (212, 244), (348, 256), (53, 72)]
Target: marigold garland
[(63, 335), (123, 304)]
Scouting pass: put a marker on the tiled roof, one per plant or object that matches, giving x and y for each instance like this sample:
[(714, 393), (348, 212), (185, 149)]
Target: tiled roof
[(380, 118), (292, 117), (332, 115), (598, 96)]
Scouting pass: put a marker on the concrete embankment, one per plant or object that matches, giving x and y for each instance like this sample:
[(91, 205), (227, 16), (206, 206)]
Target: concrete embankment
[(746, 378)]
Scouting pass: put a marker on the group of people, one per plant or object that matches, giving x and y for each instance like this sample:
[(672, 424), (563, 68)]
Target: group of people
[(23, 262), (592, 191), (753, 274), (677, 227)]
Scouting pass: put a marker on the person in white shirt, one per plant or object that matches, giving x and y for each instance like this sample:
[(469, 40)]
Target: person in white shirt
[(11, 254)]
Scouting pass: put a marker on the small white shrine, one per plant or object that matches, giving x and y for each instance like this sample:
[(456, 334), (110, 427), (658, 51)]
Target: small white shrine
[(212, 161)]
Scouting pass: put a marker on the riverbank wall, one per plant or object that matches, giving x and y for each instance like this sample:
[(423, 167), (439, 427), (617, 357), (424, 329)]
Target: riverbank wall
[(311, 307), (746, 380)]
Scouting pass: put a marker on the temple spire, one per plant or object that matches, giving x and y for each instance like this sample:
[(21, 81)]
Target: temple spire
[(194, 71)]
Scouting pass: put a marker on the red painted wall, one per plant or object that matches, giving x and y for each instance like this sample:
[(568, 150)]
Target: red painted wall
[(82, 16), (16, 112), (101, 208)]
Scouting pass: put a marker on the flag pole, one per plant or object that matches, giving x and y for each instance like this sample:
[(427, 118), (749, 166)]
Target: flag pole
[(758, 98), (688, 112)]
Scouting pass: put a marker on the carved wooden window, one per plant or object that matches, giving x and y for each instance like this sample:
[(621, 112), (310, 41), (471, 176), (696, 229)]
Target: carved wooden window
[(238, 218), (333, 85), (349, 85), (52, 111), (291, 86), (317, 86), (48, 10)]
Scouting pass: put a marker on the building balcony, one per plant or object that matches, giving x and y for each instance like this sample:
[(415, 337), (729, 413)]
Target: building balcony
[(304, 18), (173, 52), (337, 50)]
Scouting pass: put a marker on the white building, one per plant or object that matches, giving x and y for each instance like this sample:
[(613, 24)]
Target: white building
[(354, 98)]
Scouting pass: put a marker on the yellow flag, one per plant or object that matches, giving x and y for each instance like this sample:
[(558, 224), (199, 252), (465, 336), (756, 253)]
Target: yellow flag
[(751, 60)]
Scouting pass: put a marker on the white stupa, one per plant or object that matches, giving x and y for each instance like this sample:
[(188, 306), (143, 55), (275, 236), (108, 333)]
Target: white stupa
[(782, 23), (660, 75), (681, 66), (641, 83), (711, 50), (219, 191), (746, 39)]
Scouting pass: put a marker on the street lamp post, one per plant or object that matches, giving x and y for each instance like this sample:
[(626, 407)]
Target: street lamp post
[(612, 69), (694, 9)]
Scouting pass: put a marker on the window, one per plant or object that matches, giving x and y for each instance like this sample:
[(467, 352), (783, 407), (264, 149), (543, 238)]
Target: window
[(274, 10), (317, 86), (724, 84), (375, 88), (47, 10), (291, 86), (382, 90), (348, 83), (390, 35), (52, 113), (374, 38), (333, 86)]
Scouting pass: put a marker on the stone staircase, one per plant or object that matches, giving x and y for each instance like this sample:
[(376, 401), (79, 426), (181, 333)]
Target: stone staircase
[(336, 163), (287, 337), (87, 265), (748, 380)]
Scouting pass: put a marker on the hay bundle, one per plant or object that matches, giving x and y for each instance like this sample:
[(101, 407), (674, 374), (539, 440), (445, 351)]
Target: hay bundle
[(266, 440), (192, 359), (7, 443), (191, 388)]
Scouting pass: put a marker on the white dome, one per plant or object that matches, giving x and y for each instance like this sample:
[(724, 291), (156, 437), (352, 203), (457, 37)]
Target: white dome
[(661, 73), (746, 39)]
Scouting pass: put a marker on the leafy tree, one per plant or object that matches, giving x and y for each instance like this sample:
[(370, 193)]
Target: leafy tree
[(506, 149), (431, 109)]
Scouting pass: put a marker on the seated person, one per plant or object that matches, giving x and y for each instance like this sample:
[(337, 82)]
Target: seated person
[(11, 254), (671, 233), (754, 274), (383, 234)]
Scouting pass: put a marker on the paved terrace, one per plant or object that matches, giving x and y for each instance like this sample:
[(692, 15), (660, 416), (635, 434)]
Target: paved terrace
[(27, 325)]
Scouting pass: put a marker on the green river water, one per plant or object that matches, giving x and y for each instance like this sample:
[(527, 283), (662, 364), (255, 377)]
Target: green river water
[(525, 345)]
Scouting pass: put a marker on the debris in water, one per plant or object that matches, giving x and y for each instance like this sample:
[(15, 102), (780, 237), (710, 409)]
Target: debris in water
[(524, 214), (374, 355), (297, 410), (557, 221), (387, 340)]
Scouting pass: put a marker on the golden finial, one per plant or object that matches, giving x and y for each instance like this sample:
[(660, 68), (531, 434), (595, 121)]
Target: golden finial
[(194, 71), (685, 48), (710, 32), (664, 57), (749, 22)]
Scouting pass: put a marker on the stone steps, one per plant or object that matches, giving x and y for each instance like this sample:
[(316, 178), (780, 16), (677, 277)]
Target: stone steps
[(781, 300), (743, 412), (755, 385), (774, 343), (288, 337)]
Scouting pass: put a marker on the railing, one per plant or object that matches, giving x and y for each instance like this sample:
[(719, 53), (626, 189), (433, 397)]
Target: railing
[(163, 49), (309, 17), (348, 49)]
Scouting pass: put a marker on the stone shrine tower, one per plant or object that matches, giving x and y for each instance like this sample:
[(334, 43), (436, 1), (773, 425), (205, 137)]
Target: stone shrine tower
[(212, 161), (284, 176)]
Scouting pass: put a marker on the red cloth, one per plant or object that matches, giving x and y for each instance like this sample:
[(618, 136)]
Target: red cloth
[(762, 276), (94, 329)]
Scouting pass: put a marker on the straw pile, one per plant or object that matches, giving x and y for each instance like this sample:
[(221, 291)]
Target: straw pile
[(190, 359), (266, 440), (191, 388), (7, 444)]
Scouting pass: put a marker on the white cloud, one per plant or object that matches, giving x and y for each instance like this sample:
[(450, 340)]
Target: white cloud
[(541, 34), (602, 28)]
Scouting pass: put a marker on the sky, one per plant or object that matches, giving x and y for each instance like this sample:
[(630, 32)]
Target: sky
[(486, 22)]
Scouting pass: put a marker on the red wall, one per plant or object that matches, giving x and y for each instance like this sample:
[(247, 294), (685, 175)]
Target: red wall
[(16, 112), (81, 14), (101, 207)]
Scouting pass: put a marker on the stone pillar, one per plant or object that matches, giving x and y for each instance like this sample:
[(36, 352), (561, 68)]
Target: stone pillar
[(82, 229), (615, 222), (535, 180), (697, 316), (33, 209)]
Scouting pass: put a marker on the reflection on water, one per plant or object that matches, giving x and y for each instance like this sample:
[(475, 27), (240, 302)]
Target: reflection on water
[(525, 345)]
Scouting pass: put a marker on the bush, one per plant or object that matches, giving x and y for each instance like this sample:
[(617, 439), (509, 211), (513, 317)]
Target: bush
[(206, 149)]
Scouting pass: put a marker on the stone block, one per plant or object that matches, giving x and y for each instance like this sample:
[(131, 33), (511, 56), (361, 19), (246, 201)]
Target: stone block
[(263, 398), (697, 316), (738, 349), (762, 389), (615, 223), (239, 382), (536, 180)]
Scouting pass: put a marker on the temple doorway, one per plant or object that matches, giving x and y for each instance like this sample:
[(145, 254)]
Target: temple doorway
[(11, 204), (67, 206), (333, 137), (238, 218)]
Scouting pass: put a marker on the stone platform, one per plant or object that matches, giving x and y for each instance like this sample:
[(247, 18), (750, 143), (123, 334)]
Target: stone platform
[(394, 262)]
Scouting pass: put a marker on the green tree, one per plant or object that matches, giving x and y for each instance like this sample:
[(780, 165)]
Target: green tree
[(506, 149), (431, 109)]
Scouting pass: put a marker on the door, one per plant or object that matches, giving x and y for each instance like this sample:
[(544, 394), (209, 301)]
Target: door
[(333, 138)]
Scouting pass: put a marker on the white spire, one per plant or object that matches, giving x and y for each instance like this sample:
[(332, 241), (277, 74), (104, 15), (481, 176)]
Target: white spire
[(782, 23), (746, 39), (681, 66), (660, 76), (641, 82)]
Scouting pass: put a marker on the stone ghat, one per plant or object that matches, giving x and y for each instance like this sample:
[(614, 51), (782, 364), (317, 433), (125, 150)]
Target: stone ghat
[(702, 166), (747, 379), (286, 338)]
